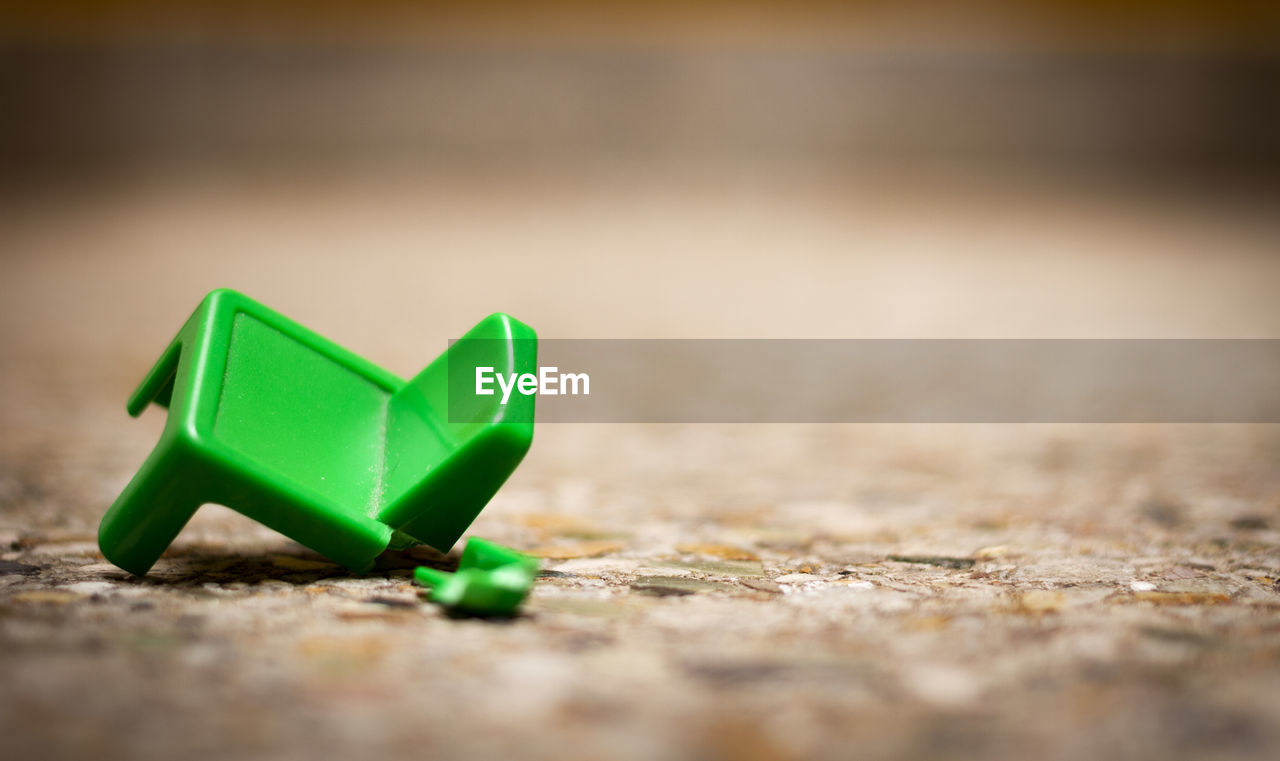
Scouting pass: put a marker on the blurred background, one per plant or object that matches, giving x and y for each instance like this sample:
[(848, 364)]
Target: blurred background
[(729, 168), (387, 172), (1161, 91)]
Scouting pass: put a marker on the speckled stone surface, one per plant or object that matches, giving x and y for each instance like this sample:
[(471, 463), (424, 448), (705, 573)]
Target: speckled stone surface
[(708, 592)]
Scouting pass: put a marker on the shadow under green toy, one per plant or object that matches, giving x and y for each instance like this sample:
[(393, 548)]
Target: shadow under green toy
[(272, 420)]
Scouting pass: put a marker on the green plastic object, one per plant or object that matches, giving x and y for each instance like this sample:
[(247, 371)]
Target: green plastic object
[(492, 580), (290, 429)]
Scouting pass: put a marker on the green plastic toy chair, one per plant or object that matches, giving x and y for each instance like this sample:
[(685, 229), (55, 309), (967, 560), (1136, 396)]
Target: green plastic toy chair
[(284, 426)]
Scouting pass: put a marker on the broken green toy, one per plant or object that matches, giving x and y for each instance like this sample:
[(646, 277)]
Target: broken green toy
[(290, 429), (491, 580)]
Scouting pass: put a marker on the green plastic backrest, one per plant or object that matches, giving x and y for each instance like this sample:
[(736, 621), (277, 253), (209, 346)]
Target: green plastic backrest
[(467, 440)]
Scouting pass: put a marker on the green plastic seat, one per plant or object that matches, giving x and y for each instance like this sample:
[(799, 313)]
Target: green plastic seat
[(274, 421)]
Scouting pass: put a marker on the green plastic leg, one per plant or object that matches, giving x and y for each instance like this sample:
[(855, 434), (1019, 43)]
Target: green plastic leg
[(153, 508)]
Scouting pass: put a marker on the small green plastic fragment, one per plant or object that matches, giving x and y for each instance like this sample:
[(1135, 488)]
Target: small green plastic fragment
[(492, 580)]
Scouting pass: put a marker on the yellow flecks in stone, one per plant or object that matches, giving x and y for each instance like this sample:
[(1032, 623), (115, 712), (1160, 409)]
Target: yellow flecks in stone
[(570, 551), (343, 652), (46, 597), (927, 623), (717, 550), (736, 739), (990, 553), (292, 563), (1039, 601), (552, 526), (1181, 598), (57, 537), (555, 523)]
